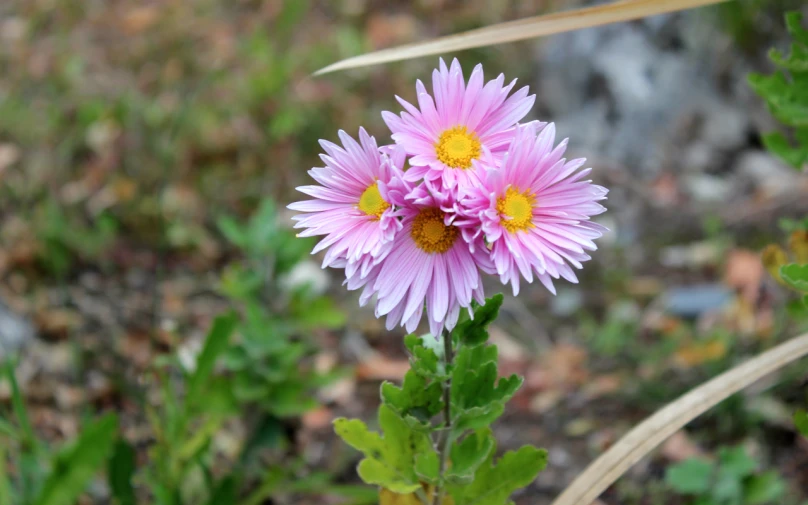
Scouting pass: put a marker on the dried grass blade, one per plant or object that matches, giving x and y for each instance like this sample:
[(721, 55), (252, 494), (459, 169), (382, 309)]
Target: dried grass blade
[(650, 433), (521, 29)]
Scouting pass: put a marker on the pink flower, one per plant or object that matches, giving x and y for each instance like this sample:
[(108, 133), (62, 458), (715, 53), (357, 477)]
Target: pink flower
[(445, 135), (534, 211), (351, 206), (429, 262)]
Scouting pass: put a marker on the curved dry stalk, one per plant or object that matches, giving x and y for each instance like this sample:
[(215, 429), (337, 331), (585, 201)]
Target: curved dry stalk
[(650, 433), (521, 29)]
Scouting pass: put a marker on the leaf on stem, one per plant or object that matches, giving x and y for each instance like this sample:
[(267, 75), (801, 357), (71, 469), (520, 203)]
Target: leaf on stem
[(477, 397), (494, 483), (416, 401), (475, 331), (390, 459)]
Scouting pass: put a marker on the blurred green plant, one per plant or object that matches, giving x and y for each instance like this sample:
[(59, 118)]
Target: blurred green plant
[(189, 414), (732, 480), (786, 93), (801, 421), (44, 475), (279, 293), (66, 238)]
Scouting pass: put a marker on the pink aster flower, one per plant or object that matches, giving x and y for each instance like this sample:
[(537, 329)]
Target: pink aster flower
[(446, 134), (430, 264), (351, 206), (534, 211)]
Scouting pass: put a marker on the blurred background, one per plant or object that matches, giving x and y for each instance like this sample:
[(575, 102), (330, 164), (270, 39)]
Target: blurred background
[(148, 150)]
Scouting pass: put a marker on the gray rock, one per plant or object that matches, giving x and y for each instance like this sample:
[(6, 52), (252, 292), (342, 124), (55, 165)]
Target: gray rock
[(16, 331), (693, 301), (637, 94)]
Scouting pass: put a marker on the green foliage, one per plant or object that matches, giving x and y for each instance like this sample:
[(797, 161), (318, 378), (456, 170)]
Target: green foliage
[(692, 476), (733, 480), (76, 464), (390, 459), (415, 420), (494, 482), (477, 398), (786, 93), (279, 307), (120, 471), (417, 401), (473, 331), (795, 276), (66, 239), (801, 421)]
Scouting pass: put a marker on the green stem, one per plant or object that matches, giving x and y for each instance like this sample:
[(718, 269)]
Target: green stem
[(446, 436)]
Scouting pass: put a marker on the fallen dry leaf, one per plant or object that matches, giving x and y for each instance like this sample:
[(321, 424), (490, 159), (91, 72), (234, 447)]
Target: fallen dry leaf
[(697, 353), (318, 419), (379, 367), (744, 273), (680, 447)]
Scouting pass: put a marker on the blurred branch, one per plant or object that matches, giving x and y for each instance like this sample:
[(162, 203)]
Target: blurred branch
[(521, 29)]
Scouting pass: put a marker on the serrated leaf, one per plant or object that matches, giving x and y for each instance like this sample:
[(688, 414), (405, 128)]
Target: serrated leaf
[(77, 464), (801, 421), (475, 331), (477, 398), (692, 476), (120, 470), (389, 460), (415, 400), (427, 466), (767, 487), (426, 358), (468, 455), (795, 275), (494, 483)]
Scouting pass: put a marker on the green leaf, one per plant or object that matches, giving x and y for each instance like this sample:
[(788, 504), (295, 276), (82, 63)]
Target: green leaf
[(493, 483), (735, 461), (692, 476), (5, 482), (226, 491), (320, 312), (786, 95), (426, 359), (416, 401), (477, 398), (18, 405), (767, 487), (727, 489), (427, 466), (801, 420), (120, 469), (468, 455), (75, 465), (475, 331), (215, 344), (389, 460), (795, 275)]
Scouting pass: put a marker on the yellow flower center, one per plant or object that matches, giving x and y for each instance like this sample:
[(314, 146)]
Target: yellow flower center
[(372, 203), (457, 146), (430, 234), (517, 208)]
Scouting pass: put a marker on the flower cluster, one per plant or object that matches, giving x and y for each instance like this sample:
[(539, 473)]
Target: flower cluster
[(464, 189)]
